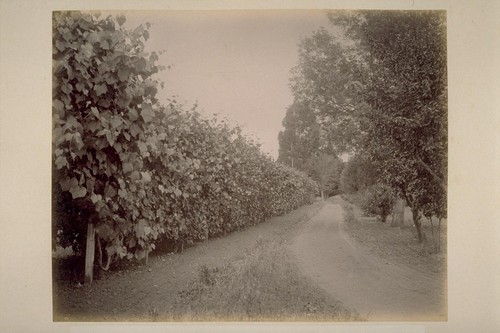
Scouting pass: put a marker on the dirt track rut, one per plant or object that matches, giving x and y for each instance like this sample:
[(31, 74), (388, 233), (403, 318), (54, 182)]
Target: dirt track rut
[(377, 289)]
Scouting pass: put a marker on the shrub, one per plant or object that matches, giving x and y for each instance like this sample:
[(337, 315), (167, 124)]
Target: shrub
[(348, 213), (378, 200)]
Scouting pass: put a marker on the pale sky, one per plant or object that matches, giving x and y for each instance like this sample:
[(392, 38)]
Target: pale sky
[(234, 63)]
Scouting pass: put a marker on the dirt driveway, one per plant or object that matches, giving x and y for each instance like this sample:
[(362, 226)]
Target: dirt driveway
[(327, 265), (378, 289)]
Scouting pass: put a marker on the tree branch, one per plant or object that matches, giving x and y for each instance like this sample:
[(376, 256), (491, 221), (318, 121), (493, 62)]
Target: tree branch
[(433, 174), (99, 251)]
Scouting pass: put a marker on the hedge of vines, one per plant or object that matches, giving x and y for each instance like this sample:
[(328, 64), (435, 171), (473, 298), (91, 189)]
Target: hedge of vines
[(141, 171)]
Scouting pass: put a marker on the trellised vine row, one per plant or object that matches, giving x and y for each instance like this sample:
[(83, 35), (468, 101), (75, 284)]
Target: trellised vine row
[(129, 171)]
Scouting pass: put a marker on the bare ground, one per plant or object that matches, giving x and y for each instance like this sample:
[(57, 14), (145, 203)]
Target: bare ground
[(247, 275), (304, 266), (380, 271)]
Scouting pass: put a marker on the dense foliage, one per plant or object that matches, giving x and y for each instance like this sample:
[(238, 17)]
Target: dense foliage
[(300, 138), (379, 89), (357, 175), (378, 200), (360, 183), (140, 171), (103, 99), (326, 170), (302, 148)]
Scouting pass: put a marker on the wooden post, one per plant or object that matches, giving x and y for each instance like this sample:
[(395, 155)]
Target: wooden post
[(89, 254), (205, 237)]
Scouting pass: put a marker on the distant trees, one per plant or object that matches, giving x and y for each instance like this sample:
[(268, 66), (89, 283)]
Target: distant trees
[(378, 200), (300, 138), (358, 174), (301, 147), (326, 170), (379, 90), (361, 179)]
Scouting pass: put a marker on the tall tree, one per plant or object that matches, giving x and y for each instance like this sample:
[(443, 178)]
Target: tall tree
[(328, 78), (299, 139), (380, 89), (407, 95), (302, 147)]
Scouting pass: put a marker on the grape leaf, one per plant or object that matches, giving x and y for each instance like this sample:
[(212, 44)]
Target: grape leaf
[(127, 167), (140, 65), (77, 191), (134, 176), (122, 193), (109, 191), (123, 73), (110, 137), (95, 198), (100, 89), (147, 112), (146, 176), (61, 162), (95, 112), (115, 122), (142, 148), (87, 50), (135, 130), (120, 19), (132, 115), (58, 105)]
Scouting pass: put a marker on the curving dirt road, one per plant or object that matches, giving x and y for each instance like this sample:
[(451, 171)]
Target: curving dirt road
[(378, 290)]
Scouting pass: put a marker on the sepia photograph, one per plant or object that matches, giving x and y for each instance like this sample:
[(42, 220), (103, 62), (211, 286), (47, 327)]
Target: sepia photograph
[(249, 165)]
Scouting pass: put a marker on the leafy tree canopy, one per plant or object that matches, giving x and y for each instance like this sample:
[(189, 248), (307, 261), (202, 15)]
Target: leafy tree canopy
[(379, 88)]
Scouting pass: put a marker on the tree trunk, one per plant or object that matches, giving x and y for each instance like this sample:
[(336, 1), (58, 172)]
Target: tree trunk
[(322, 195), (415, 215), (89, 254), (434, 175), (439, 234), (436, 246), (418, 225), (398, 216)]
